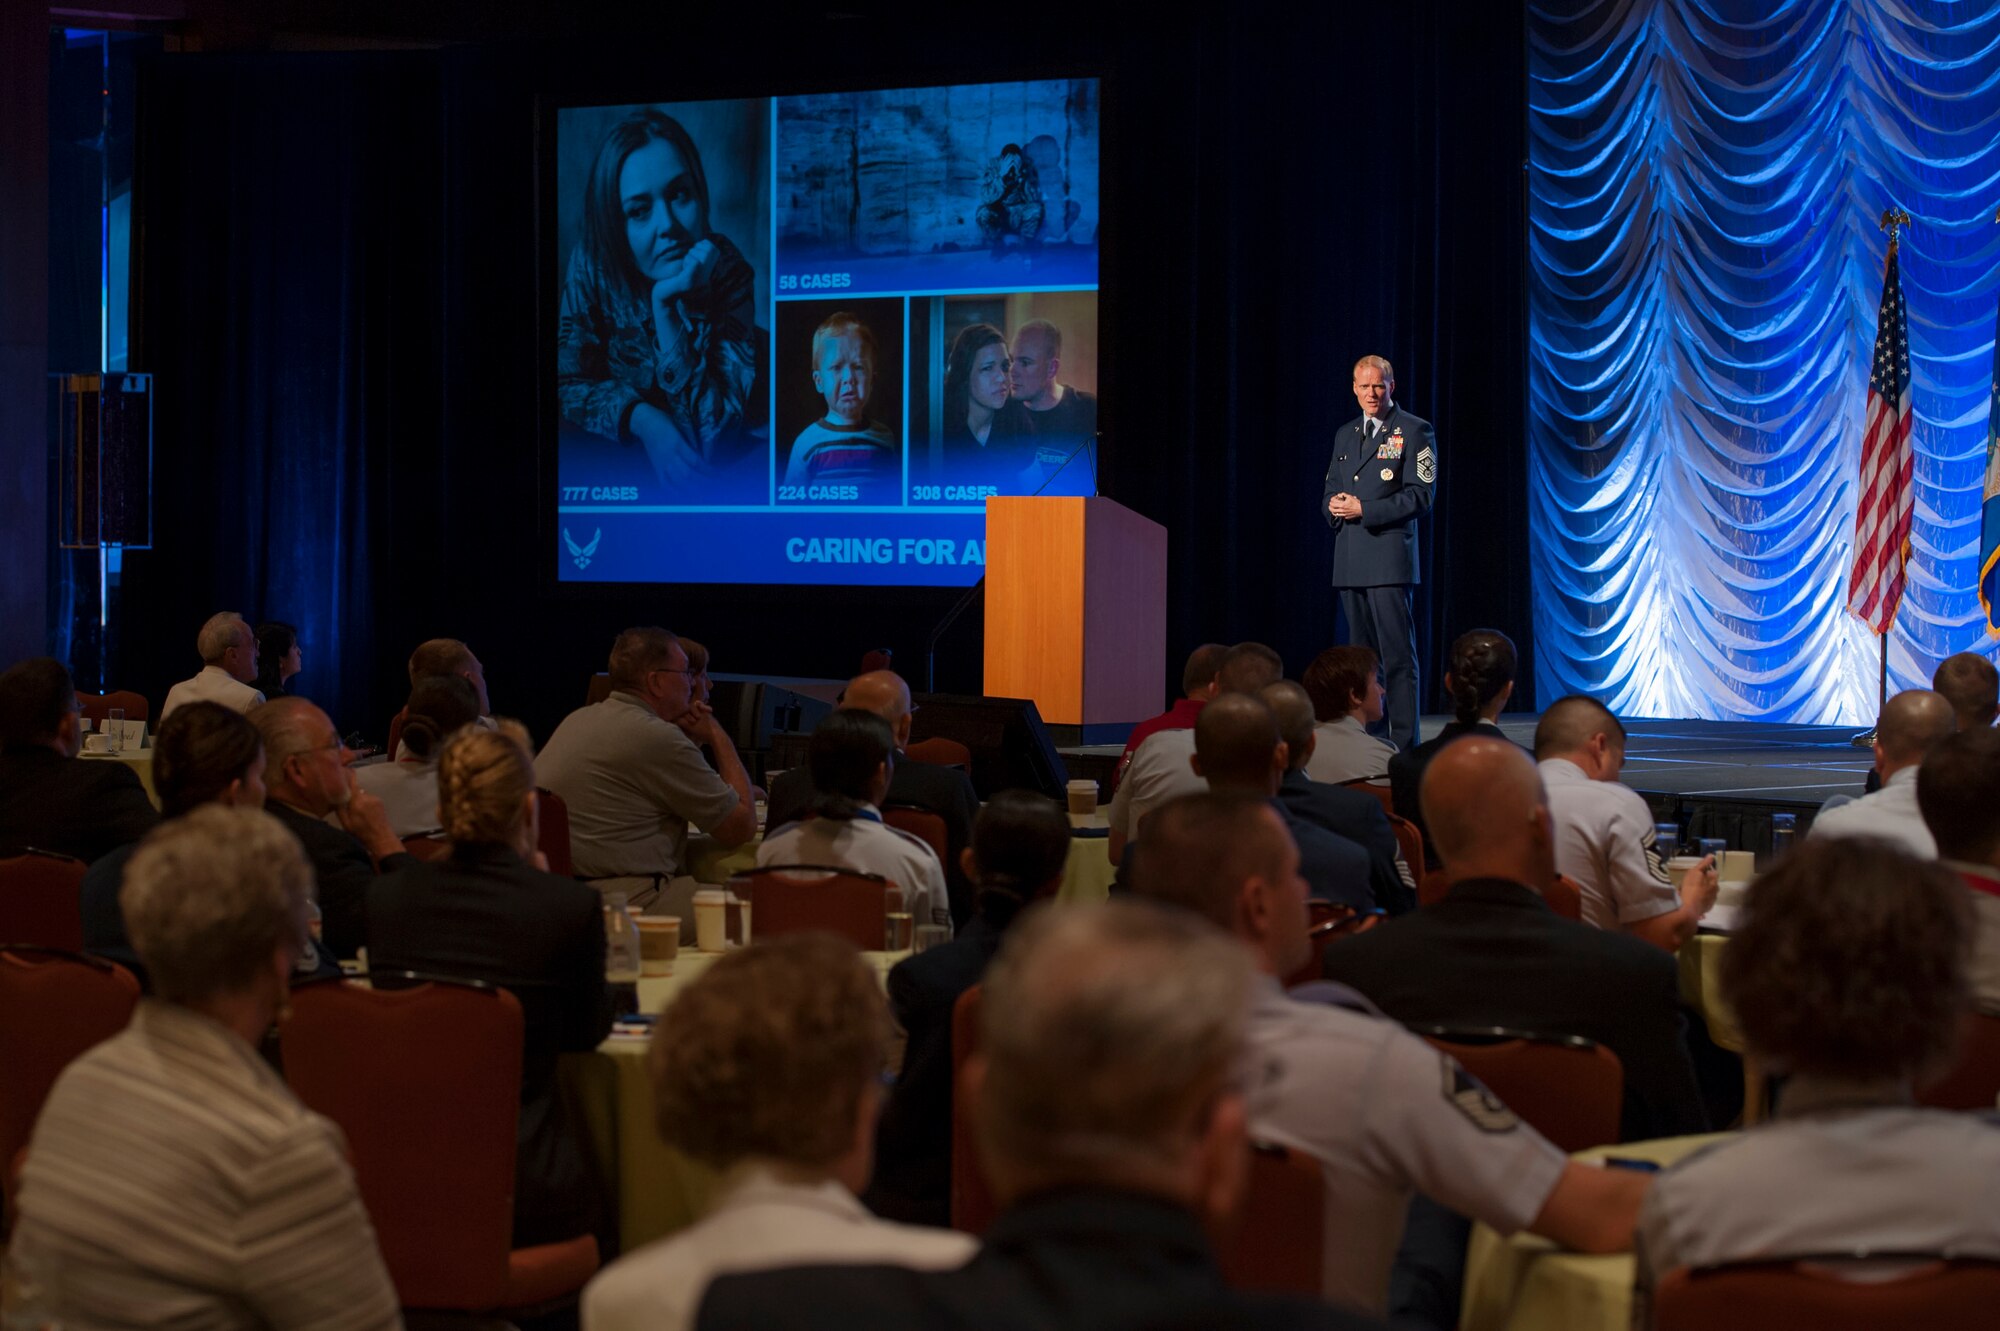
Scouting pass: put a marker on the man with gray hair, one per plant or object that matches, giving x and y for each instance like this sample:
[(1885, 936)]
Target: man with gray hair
[(1384, 1113), (631, 771), (1912, 723), (1108, 1105), (229, 664)]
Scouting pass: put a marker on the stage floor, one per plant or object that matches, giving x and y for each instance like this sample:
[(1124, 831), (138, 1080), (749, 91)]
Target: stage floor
[(1754, 761)]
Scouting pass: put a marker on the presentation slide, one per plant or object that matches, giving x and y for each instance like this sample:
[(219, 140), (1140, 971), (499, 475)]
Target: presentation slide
[(803, 339)]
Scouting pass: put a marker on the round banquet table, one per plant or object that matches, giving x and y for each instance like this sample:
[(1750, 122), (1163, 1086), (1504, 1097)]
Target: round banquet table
[(1527, 1283)]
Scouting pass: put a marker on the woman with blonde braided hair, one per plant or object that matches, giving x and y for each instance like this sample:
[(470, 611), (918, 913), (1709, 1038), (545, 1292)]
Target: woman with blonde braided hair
[(491, 911)]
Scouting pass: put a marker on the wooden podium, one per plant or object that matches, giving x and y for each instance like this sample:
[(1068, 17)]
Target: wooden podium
[(1076, 608)]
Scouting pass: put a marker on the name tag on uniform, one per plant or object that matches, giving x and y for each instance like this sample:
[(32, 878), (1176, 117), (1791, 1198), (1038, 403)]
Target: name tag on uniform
[(1392, 449)]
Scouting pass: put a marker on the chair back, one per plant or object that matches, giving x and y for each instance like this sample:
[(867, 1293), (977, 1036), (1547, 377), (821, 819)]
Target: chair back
[(926, 826), (395, 733), (1410, 842), (554, 843), (1973, 1079), (1277, 1246), (1565, 898), (1567, 1088), (941, 752), (801, 897), (1379, 789), (98, 706), (972, 1204), (426, 1084), (1327, 921), (41, 901), (1941, 1295), (53, 1006)]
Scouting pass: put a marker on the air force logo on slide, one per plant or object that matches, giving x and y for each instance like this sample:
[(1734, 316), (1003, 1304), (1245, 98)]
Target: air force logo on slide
[(580, 555)]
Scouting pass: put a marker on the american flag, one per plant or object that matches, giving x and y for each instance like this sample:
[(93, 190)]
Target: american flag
[(1882, 521), (1989, 509)]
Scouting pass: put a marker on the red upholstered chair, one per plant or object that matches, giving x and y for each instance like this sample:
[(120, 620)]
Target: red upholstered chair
[(97, 706), (1973, 1080), (1327, 922), (1411, 843), (395, 733), (1379, 789), (818, 897), (1567, 1088), (943, 752), (53, 1006), (1565, 898), (972, 1204), (554, 843), (1941, 1295), (39, 901), (923, 824), (426, 1084), (427, 847), (1278, 1244)]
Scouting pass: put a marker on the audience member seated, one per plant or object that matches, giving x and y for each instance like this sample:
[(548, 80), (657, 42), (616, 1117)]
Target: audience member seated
[(204, 754), (1958, 791), (1912, 723), (278, 658), (492, 912), (1197, 687), (1847, 970), (1237, 748), (441, 658), (1162, 768), (1604, 831), (766, 1068), (1019, 847), (1383, 1112), (851, 754), (1345, 685), (1351, 814), (50, 799), (1971, 684), (944, 791), (439, 706), (1480, 681), (229, 665), (173, 1180), (631, 771), (307, 777), (1108, 1103), (1492, 953)]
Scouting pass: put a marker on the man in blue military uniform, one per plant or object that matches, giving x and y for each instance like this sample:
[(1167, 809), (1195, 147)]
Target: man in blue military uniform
[(1381, 479)]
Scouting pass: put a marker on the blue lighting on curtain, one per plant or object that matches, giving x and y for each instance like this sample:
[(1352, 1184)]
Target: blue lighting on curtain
[(1705, 183)]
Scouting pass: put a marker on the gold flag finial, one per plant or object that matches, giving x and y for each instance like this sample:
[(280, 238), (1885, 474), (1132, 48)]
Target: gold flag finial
[(1894, 219)]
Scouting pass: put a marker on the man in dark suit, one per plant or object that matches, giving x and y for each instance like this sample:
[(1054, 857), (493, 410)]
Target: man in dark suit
[(306, 777), (944, 791), (50, 799), (1237, 747), (1346, 813), (1492, 953), (1379, 482), (1019, 846), (1106, 1099)]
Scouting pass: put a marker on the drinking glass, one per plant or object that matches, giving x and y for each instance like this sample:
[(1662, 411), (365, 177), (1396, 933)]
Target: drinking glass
[(114, 722)]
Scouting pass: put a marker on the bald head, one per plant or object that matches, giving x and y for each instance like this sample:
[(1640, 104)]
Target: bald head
[(1236, 744), (1487, 812), (1572, 723), (885, 693), (1911, 725)]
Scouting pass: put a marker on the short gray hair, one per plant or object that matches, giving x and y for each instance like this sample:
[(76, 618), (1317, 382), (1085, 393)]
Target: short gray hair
[(1107, 1029), (209, 896), (224, 629), (638, 651), (287, 727)]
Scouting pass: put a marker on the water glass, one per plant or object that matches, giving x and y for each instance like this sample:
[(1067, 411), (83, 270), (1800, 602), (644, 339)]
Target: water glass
[(114, 723), (927, 936), (896, 921)]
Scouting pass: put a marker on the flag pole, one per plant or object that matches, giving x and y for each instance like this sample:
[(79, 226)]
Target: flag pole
[(1894, 219)]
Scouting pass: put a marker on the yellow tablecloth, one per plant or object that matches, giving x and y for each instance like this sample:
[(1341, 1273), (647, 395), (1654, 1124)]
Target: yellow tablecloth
[(141, 763), (657, 1189), (1701, 988), (1527, 1283)]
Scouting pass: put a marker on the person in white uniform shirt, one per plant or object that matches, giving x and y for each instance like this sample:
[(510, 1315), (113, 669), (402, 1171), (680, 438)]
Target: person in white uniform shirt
[(229, 655), (851, 756), (1345, 684), (1604, 831), (767, 1068), (1912, 723), (1850, 1166)]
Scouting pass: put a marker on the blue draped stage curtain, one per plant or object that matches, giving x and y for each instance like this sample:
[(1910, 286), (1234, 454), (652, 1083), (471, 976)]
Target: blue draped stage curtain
[(1705, 185)]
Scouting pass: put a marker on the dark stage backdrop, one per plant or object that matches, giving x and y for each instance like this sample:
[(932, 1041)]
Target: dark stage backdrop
[(339, 275)]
